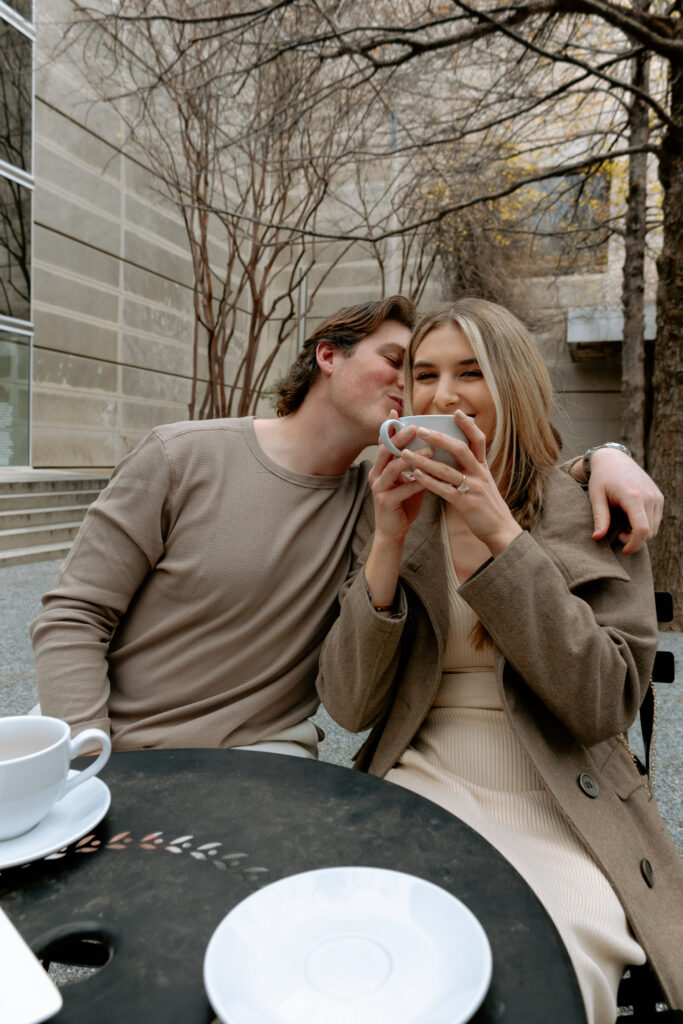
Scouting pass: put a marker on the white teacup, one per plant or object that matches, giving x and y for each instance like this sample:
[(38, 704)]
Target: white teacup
[(35, 756), (445, 424)]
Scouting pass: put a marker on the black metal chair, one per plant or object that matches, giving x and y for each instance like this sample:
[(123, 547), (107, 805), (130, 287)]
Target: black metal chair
[(640, 998)]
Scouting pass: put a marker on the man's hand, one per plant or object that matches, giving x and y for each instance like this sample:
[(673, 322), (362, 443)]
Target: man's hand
[(616, 480)]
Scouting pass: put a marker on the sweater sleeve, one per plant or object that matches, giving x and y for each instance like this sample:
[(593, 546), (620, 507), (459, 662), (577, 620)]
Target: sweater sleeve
[(120, 541), (360, 656), (585, 651)]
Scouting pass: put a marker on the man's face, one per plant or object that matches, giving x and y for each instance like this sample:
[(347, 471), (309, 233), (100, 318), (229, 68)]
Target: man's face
[(368, 384)]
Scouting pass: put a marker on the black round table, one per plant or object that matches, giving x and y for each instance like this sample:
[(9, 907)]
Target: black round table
[(190, 833)]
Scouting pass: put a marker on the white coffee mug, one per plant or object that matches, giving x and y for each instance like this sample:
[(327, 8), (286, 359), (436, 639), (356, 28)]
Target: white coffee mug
[(35, 756), (445, 424)]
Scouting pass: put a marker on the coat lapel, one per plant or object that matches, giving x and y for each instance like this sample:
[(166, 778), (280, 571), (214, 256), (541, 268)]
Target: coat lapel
[(423, 566)]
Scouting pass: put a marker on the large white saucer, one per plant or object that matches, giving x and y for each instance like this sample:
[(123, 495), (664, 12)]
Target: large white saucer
[(70, 819), (348, 944)]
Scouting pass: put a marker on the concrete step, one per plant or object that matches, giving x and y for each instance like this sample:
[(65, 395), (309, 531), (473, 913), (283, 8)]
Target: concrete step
[(22, 484), (39, 553), (41, 511), (11, 520), (21, 501), (28, 536)]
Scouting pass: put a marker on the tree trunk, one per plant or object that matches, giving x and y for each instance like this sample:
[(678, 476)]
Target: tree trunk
[(633, 385), (665, 450)]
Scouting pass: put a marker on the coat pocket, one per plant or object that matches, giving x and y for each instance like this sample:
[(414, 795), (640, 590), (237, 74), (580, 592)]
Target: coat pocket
[(620, 771)]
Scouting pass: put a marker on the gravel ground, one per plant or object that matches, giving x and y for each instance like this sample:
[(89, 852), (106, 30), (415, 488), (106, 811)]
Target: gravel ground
[(21, 587)]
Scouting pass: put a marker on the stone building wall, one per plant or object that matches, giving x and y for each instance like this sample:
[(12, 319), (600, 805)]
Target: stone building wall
[(112, 298)]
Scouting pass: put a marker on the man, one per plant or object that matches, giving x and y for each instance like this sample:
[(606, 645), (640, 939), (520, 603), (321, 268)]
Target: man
[(192, 606)]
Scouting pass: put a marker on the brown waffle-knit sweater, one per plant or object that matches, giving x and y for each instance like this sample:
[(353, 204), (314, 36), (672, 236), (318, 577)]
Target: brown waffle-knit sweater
[(192, 606)]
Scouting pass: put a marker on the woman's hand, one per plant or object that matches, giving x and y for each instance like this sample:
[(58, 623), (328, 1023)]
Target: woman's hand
[(397, 497), (470, 489), (616, 480)]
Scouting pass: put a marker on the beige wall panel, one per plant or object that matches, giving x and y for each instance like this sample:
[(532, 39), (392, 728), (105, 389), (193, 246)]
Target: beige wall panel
[(75, 257), (57, 211), (140, 316), (75, 336), (153, 216), (561, 292), (75, 449), (578, 377), (158, 387), (141, 417), (336, 252), (217, 248), (538, 293), (265, 408), (137, 179), (549, 332), (584, 290), (433, 294), (72, 138), (349, 276), (145, 353), (152, 288), (67, 175), (67, 371), (590, 419), (335, 298), (63, 86), (140, 182), (284, 360), (62, 292), (130, 439), (52, 408), (145, 252), (203, 365)]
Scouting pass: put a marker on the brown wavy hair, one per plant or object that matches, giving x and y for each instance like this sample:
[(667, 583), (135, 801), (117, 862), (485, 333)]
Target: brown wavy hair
[(344, 329)]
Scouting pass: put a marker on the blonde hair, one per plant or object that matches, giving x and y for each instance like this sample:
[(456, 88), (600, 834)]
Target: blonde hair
[(525, 442)]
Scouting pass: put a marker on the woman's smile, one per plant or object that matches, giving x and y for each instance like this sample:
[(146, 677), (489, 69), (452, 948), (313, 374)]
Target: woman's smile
[(447, 377)]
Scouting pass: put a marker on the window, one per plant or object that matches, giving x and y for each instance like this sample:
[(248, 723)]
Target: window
[(16, 193), (16, 79), (15, 250), (14, 399), (22, 7)]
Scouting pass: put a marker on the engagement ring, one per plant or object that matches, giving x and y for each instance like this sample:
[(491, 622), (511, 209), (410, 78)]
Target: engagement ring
[(464, 486)]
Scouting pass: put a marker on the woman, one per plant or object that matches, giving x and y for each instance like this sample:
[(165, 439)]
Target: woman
[(501, 654)]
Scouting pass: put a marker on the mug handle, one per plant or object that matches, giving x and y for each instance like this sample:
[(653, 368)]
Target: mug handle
[(384, 435), (99, 763)]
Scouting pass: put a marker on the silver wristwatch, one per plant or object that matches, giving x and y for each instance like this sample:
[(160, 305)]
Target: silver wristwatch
[(606, 444)]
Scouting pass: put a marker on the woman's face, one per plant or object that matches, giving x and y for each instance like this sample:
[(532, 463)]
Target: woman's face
[(447, 377)]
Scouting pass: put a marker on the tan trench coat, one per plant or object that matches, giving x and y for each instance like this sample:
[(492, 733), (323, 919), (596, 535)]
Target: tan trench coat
[(574, 631)]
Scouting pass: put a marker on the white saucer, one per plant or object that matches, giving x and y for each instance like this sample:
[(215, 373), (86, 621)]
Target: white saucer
[(70, 818), (348, 944)]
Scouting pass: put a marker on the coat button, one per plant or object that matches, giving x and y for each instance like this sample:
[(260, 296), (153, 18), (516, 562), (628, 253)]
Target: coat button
[(588, 784), (647, 872)]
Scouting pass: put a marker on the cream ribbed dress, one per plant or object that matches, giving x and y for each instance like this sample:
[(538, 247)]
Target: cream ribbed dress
[(467, 758)]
